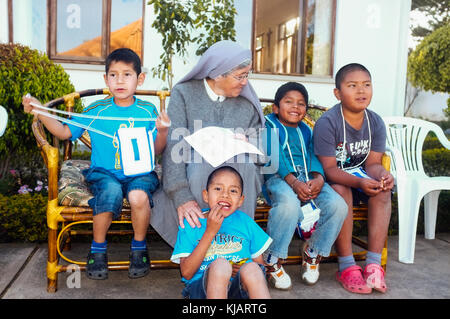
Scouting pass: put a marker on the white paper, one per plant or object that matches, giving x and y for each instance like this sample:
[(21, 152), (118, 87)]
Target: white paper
[(217, 145), (143, 162)]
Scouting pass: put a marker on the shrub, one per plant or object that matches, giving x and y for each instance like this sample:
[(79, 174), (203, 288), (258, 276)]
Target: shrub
[(429, 63), (22, 71), (436, 162), (23, 218)]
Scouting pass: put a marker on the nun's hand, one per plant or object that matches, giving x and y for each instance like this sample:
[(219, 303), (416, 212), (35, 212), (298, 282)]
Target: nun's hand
[(192, 212)]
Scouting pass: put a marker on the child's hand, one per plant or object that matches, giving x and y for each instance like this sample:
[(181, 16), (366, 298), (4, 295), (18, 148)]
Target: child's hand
[(26, 102), (315, 185), (302, 190), (163, 122), (387, 182), (370, 186), (215, 219)]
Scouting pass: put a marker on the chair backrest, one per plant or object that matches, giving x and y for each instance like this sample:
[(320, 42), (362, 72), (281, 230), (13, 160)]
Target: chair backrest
[(407, 135)]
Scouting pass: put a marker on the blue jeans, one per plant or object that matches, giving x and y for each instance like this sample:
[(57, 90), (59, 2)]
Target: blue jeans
[(286, 213), (197, 288), (109, 192)]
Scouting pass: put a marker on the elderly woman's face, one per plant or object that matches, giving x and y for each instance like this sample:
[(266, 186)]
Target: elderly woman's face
[(231, 85)]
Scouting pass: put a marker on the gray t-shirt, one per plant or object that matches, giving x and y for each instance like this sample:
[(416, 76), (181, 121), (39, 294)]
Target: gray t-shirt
[(329, 137)]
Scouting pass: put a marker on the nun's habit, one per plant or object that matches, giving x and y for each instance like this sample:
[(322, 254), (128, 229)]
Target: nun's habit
[(189, 103)]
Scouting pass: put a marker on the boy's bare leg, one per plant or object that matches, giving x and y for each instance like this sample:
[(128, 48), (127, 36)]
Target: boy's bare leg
[(140, 213), (101, 223), (379, 216), (219, 274), (254, 282), (343, 243)]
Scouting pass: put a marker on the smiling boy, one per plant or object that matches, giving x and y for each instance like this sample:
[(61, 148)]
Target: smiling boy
[(223, 257), (298, 181)]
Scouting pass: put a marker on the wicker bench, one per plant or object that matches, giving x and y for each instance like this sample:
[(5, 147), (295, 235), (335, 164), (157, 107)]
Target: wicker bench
[(68, 196)]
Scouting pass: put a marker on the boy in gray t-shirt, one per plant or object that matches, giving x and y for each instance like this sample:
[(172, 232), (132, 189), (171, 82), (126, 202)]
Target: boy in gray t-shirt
[(349, 141)]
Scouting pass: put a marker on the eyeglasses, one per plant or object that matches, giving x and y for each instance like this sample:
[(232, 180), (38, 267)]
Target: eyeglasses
[(242, 77)]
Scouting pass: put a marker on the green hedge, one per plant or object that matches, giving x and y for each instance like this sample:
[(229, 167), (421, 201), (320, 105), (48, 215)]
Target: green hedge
[(23, 218)]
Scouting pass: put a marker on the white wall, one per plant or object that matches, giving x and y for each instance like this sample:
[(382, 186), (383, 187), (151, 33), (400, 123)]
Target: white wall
[(375, 33), (429, 106), (371, 32), (3, 21)]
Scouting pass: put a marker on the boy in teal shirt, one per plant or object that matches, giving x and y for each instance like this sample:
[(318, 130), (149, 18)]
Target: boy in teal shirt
[(105, 177), (223, 258), (299, 180)]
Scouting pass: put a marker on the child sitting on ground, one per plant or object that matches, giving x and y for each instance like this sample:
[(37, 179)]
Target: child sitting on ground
[(350, 140), (105, 177), (298, 181), (223, 258)]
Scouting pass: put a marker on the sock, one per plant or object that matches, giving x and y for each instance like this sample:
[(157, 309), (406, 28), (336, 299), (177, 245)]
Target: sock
[(98, 247), (138, 245), (373, 258), (345, 262), (270, 259)]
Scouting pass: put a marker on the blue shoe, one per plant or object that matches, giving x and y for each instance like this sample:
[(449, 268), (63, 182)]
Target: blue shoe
[(97, 266), (139, 264)]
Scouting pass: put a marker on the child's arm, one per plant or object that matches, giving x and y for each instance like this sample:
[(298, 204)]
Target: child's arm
[(375, 169), (162, 126), (54, 126), (189, 265), (336, 175)]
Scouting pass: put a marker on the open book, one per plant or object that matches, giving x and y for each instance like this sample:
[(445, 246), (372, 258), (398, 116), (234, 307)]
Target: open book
[(217, 145)]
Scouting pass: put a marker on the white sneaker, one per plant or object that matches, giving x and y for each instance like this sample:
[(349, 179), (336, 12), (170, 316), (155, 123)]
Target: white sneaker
[(278, 277), (310, 267)]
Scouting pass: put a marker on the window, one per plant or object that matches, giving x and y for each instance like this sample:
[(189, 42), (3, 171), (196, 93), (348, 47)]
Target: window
[(27, 23), (294, 36), (86, 31)]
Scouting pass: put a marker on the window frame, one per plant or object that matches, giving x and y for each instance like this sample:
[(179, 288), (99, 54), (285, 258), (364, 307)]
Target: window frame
[(105, 34), (301, 42)]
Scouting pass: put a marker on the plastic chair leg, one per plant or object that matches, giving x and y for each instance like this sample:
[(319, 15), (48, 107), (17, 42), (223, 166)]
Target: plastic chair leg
[(430, 209), (408, 213)]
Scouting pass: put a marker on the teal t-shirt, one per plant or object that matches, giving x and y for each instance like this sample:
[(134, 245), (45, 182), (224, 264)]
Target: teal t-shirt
[(239, 237), (105, 153)]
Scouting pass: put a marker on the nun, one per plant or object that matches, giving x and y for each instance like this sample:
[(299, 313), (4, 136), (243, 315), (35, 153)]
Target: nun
[(216, 92)]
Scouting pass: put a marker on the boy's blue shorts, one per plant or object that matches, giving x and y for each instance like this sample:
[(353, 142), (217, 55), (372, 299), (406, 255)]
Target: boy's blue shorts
[(109, 192), (197, 289)]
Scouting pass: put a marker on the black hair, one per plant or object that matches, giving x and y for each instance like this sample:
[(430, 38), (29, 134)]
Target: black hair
[(290, 86), (346, 69), (224, 169), (124, 55)]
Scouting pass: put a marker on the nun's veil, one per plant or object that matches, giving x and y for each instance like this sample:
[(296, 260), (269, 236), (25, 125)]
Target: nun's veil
[(220, 58)]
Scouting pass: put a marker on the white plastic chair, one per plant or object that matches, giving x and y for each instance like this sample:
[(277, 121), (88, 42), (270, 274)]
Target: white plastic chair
[(405, 137)]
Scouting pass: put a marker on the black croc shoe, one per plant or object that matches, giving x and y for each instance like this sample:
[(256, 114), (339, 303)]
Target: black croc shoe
[(97, 266), (139, 264)]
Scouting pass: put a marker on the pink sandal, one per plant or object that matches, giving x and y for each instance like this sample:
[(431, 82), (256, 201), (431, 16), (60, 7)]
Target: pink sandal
[(374, 277), (352, 280)]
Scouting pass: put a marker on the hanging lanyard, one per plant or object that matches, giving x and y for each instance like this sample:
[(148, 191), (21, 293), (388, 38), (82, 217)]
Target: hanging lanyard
[(344, 146), (302, 142), (67, 121), (303, 147)]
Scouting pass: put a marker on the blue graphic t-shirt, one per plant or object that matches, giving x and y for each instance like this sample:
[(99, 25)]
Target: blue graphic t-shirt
[(105, 152), (239, 238)]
